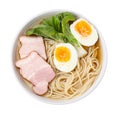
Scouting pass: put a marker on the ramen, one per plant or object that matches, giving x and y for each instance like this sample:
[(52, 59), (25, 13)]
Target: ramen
[(59, 56)]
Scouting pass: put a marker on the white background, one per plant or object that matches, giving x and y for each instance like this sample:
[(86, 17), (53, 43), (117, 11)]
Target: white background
[(16, 101)]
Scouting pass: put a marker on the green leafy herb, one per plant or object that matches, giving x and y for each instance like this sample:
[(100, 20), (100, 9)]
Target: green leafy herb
[(70, 37), (56, 28)]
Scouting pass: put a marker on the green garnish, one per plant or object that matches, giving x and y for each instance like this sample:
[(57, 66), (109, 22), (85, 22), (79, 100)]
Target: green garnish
[(56, 28)]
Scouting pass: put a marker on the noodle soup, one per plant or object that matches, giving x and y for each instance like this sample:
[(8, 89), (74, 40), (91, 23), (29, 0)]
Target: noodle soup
[(73, 79)]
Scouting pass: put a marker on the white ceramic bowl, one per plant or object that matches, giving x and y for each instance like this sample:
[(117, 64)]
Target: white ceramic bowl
[(104, 61)]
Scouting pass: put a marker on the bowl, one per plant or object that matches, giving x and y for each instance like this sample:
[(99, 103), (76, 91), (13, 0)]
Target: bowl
[(95, 84)]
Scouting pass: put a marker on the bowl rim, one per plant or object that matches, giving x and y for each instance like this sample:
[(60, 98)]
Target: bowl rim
[(95, 84)]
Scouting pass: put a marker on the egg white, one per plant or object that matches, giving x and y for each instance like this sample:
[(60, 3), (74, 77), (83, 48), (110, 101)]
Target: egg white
[(69, 65), (86, 41)]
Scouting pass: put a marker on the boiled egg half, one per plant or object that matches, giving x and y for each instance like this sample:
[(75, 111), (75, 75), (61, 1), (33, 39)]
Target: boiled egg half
[(84, 32), (65, 57)]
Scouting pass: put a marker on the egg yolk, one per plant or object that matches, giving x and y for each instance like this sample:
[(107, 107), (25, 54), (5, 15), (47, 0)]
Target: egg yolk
[(62, 54), (83, 28)]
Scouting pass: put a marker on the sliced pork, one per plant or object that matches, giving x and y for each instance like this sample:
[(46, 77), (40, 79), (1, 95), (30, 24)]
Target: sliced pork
[(30, 44), (37, 71), (41, 87)]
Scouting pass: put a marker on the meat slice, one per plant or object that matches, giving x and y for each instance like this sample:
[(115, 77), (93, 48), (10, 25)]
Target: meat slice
[(41, 87), (30, 44), (37, 71)]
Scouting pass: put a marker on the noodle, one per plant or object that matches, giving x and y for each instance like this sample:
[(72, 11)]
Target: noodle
[(68, 85)]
